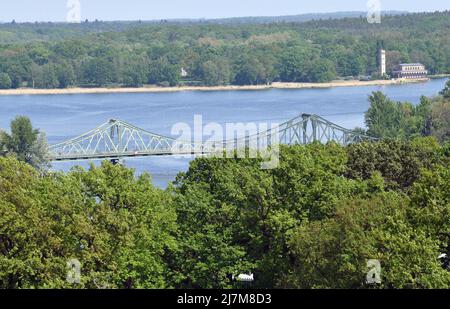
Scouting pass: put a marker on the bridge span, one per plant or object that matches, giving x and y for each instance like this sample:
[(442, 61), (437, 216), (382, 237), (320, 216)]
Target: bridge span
[(117, 139)]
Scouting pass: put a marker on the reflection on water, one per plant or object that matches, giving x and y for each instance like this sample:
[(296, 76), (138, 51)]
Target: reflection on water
[(65, 116)]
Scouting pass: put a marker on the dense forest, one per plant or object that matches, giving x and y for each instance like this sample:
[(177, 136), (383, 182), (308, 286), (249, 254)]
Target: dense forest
[(116, 54), (313, 222)]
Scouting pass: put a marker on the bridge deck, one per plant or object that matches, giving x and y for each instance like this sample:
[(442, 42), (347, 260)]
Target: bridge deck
[(122, 155)]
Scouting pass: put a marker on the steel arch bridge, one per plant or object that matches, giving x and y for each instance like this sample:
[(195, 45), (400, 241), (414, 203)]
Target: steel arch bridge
[(118, 139)]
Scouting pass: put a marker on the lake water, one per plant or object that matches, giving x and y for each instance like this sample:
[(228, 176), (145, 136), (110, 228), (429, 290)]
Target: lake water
[(65, 116)]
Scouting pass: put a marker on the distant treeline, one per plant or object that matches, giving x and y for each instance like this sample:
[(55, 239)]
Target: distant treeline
[(96, 54)]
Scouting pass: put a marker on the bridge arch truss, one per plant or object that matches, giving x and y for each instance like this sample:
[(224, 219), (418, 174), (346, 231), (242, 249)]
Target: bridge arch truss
[(119, 139)]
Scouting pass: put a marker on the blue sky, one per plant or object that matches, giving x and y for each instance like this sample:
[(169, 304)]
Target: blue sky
[(55, 10)]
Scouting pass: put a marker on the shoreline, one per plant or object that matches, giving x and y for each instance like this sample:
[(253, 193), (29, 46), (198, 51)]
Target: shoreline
[(155, 89)]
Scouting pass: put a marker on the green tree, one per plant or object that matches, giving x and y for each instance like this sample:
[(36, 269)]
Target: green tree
[(98, 72), (135, 75), (45, 76), (440, 120), (162, 71), (25, 143), (321, 71), (210, 73), (123, 228), (251, 72), (65, 75), (211, 251), (28, 236), (118, 226), (215, 73), (431, 201), (334, 253), (446, 91), (235, 217), (382, 118), (5, 81), (18, 73), (399, 162), (292, 67), (40, 54)]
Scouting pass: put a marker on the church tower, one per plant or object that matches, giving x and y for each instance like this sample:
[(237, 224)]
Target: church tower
[(382, 62)]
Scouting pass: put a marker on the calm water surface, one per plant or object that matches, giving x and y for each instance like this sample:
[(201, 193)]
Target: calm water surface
[(65, 116)]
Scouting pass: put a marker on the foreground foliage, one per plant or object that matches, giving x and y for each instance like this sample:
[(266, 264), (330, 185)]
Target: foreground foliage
[(333, 253), (312, 223), (119, 227)]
